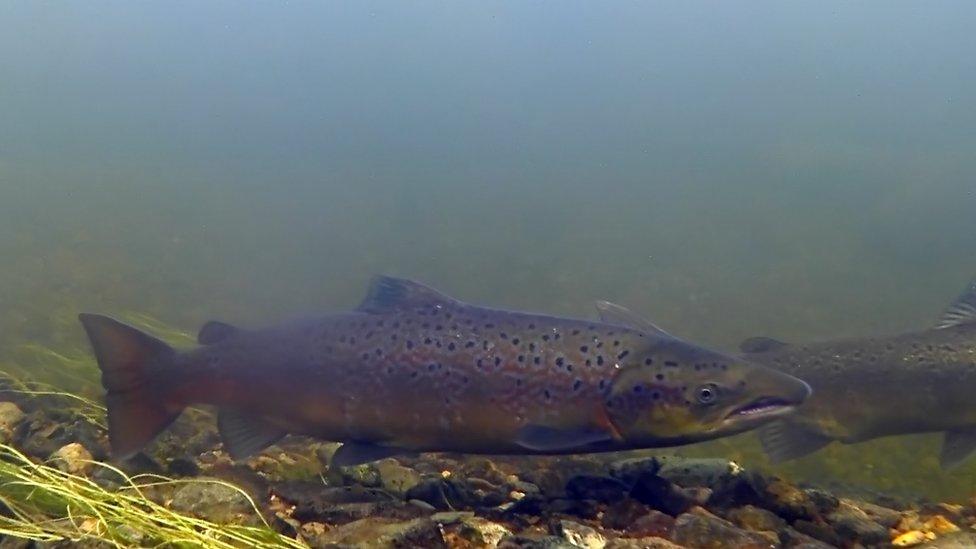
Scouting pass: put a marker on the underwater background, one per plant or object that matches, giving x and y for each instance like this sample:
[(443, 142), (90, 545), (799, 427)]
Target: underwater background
[(727, 170)]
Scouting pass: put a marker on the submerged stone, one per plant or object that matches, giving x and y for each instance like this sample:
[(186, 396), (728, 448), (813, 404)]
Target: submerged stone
[(578, 534), (700, 529), (214, 501), (73, 459)]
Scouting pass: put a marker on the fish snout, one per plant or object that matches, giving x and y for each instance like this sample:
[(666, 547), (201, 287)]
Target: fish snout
[(769, 393)]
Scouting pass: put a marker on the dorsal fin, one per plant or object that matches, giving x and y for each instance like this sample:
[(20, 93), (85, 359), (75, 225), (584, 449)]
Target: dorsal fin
[(387, 294), (611, 313), (761, 345), (215, 331), (962, 311)]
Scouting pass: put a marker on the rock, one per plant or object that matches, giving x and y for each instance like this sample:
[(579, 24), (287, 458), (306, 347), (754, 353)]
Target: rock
[(314, 502), (602, 489), (819, 531), (788, 501), (654, 523), (960, 540), (882, 515), (940, 525), (11, 416), (183, 467), (755, 518), (530, 542), (912, 538), (853, 524), (795, 540), (700, 529), (623, 513), (583, 508), (442, 493), (478, 532), (578, 535), (629, 470), (364, 474), (382, 532), (214, 501), (661, 494), (395, 478), (73, 459), (702, 472), (641, 543)]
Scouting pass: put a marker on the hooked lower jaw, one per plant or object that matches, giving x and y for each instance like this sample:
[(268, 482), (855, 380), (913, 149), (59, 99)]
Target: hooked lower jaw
[(762, 408)]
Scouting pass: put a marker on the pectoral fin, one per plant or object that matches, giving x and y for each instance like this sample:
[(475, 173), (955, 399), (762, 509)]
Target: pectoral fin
[(356, 453), (244, 435), (539, 438), (957, 447), (761, 345), (783, 441), (962, 310)]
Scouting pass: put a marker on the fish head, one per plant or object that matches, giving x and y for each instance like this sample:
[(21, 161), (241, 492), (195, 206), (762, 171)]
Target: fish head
[(677, 393)]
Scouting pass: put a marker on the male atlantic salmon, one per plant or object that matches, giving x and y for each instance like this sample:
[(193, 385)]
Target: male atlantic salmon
[(413, 370), (865, 388)]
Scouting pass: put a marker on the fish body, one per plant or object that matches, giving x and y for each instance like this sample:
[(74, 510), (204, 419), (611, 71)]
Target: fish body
[(872, 387), (413, 370)]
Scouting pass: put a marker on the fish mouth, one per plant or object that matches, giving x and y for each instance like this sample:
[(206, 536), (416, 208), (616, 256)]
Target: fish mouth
[(762, 408)]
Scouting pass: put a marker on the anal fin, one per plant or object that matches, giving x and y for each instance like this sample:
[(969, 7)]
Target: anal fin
[(356, 453), (244, 435), (540, 438), (783, 441), (957, 446)]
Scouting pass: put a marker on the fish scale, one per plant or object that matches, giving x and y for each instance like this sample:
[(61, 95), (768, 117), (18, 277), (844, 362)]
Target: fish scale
[(414, 370)]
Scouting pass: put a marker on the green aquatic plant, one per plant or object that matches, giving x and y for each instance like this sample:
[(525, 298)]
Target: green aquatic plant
[(43, 503)]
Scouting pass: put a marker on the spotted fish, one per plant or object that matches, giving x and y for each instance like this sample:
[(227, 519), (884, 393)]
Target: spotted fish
[(872, 387), (413, 370)]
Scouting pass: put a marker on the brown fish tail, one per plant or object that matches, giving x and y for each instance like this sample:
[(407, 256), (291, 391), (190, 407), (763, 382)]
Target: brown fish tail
[(131, 363)]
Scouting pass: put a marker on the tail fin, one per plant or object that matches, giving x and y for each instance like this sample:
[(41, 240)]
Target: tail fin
[(131, 362)]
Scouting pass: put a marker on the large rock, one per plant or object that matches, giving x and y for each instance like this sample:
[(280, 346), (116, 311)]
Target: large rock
[(380, 532), (702, 530), (602, 489), (641, 543), (11, 416), (213, 501), (578, 534), (395, 478), (73, 459)]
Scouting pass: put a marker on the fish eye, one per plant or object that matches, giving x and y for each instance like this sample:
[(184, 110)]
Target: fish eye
[(707, 393)]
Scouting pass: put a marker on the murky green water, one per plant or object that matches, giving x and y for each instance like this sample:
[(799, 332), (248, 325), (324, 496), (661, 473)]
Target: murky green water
[(802, 172)]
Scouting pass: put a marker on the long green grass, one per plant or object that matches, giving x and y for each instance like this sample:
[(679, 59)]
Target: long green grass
[(43, 503)]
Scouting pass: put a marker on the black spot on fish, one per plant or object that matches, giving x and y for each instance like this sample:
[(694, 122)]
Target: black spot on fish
[(379, 352), (515, 341), (725, 366), (531, 326), (575, 332), (569, 367), (591, 327), (584, 349), (532, 347), (670, 363), (616, 343), (428, 341), (450, 346), (518, 382), (559, 361), (365, 356), (431, 367), (659, 377), (577, 384), (480, 363), (409, 344), (545, 337), (484, 344), (638, 389), (648, 361), (547, 394), (498, 360), (393, 337), (489, 325), (469, 345), (438, 327), (599, 360), (556, 336), (655, 395), (369, 335), (536, 360), (622, 355), (413, 374), (589, 362), (521, 358)]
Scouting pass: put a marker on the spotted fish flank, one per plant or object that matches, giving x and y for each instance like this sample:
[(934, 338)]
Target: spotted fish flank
[(873, 387), (412, 370)]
